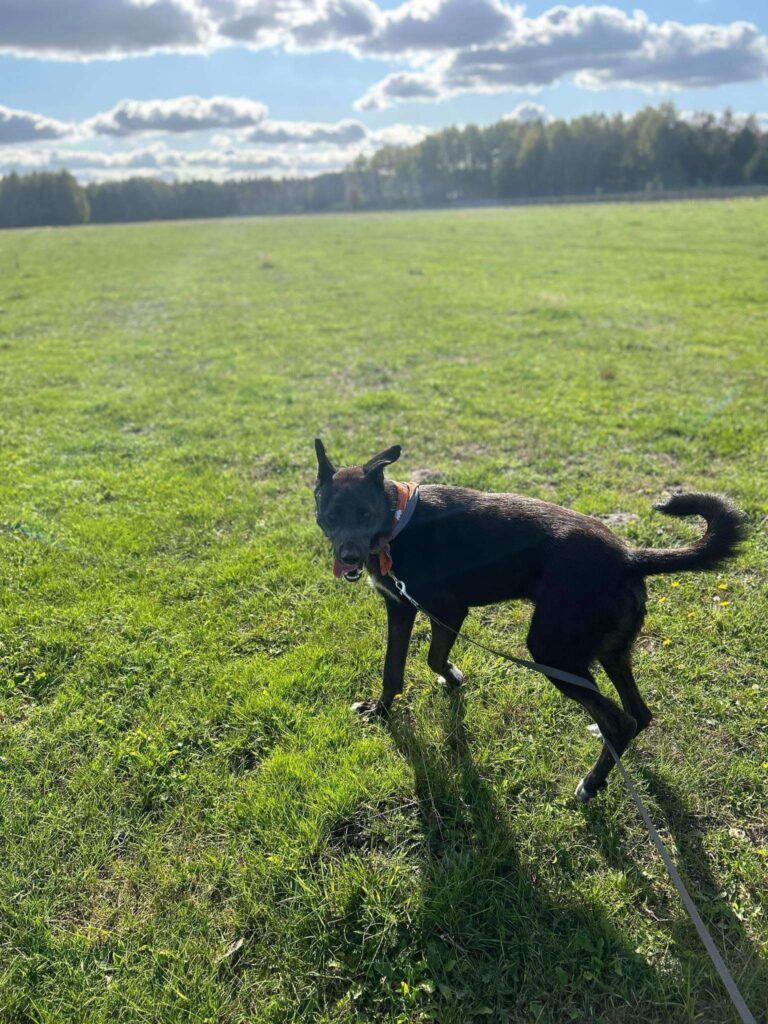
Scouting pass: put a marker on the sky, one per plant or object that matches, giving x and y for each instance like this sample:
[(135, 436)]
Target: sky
[(219, 89)]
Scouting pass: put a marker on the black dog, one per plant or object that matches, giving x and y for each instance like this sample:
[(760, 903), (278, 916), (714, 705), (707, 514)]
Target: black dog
[(455, 548)]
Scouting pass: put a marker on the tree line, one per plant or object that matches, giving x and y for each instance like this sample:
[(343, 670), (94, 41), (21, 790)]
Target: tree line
[(656, 149), (32, 200), (46, 198)]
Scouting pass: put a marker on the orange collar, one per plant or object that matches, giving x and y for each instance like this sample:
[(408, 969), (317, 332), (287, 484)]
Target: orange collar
[(407, 497)]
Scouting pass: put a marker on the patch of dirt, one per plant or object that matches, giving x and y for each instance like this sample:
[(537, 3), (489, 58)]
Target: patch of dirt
[(618, 518), (472, 450), (243, 759), (369, 827), (267, 467), (427, 476)]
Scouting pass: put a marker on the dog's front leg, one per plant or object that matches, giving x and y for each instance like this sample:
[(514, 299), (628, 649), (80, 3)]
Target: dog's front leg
[(400, 618), (443, 635)]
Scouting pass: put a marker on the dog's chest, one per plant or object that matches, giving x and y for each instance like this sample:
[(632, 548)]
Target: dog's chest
[(377, 584), (386, 590)]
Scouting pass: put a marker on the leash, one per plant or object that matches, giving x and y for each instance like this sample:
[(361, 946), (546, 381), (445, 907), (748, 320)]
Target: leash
[(569, 677)]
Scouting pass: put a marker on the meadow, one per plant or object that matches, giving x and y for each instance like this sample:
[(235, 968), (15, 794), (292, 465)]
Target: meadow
[(194, 827)]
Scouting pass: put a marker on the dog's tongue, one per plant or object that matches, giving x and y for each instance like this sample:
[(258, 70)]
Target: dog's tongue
[(341, 568)]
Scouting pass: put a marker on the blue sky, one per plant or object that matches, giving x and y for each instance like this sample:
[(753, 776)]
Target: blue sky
[(329, 78)]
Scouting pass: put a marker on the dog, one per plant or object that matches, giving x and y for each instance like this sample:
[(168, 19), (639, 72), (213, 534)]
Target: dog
[(456, 548)]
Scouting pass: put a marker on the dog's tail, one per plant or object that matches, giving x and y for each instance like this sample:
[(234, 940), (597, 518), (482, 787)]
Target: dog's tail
[(725, 532)]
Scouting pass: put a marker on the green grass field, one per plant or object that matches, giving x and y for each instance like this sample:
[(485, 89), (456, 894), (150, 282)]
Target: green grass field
[(195, 828)]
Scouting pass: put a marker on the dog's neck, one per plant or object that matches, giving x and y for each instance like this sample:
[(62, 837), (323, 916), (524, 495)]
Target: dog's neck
[(403, 498)]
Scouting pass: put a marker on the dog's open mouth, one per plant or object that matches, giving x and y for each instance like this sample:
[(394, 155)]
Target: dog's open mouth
[(347, 571)]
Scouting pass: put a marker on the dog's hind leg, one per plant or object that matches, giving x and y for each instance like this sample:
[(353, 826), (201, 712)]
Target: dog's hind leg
[(442, 641), (559, 650), (618, 668), (615, 652)]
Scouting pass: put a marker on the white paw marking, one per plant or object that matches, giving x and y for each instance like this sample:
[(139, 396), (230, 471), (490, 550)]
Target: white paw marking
[(582, 794)]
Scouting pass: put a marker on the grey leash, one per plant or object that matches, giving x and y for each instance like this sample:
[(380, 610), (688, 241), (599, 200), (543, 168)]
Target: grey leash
[(569, 677)]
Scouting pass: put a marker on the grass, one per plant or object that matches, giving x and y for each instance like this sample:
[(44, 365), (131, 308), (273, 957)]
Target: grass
[(194, 826)]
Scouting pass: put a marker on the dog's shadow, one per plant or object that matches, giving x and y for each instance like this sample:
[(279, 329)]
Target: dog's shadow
[(498, 943)]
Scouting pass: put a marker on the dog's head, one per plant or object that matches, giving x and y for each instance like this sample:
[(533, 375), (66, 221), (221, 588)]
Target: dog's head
[(352, 508)]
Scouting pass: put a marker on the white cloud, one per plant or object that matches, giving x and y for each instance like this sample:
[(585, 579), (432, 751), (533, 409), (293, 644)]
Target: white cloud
[(474, 45), (340, 133), (541, 50), (22, 126), (527, 112), (182, 114), (688, 56), (601, 46), (335, 23), (284, 148), (258, 23), (415, 27), (399, 135), (434, 25), (245, 121), (105, 28), (90, 164), (401, 87)]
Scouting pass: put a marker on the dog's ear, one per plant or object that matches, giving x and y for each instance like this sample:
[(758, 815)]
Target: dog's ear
[(325, 468), (378, 462)]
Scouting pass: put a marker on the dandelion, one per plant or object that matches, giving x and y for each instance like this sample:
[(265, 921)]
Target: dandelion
[(667, 643)]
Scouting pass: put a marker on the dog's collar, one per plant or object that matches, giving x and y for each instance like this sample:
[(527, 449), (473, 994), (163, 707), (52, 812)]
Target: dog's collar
[(407, 499)]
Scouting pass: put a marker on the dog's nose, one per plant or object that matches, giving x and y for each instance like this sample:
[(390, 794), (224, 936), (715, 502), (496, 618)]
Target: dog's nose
[(350, 553)]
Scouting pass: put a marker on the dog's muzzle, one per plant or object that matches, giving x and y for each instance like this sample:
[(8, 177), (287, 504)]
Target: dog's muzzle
[(348, 571)]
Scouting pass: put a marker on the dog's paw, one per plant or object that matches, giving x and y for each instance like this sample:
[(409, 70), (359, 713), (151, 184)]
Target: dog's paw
[(370, 709), (594, 730), (453, 678), (582, 794), (586, 790)]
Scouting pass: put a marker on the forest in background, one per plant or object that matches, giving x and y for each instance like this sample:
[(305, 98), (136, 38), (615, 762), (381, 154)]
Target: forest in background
[(655, 150)]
